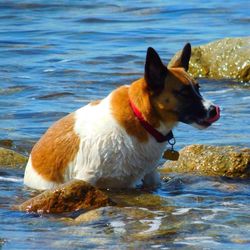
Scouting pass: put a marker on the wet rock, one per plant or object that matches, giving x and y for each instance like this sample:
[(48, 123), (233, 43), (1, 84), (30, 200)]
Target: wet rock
[(98, 214), (227, 58), (2, 242), (229, 161), (146, 224), (138, 198), (91, 216), (111, 212), (6, 143), (10, 158), (68, 197)]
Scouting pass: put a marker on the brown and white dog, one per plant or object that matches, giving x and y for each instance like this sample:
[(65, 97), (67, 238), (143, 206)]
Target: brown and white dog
[(118, 141)]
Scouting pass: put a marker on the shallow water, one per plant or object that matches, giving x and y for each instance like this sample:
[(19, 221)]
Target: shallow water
[(57, 56)]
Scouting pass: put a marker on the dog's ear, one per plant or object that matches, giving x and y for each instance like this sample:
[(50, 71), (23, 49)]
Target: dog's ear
[(183, 60), (155, 71)]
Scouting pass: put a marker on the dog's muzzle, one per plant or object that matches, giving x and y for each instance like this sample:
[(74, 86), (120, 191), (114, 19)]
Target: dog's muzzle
[(213, 114)]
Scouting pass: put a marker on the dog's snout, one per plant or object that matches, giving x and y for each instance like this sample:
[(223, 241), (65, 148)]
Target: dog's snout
[(213, 113)]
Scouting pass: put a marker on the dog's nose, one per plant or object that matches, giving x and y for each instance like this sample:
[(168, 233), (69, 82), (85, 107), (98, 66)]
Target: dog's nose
[(213, 113)]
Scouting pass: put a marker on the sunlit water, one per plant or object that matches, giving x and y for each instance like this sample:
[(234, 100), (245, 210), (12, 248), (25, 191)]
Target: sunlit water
[(58, 55)]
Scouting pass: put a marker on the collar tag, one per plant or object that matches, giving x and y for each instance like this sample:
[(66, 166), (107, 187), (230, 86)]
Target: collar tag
[(171, 154)]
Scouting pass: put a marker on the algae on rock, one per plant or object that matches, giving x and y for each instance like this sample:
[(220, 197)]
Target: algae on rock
[(226, 161), (69, 197), (10, 158), (228, 58)]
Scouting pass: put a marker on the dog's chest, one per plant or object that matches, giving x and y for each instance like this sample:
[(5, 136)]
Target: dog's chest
[(108, 151)]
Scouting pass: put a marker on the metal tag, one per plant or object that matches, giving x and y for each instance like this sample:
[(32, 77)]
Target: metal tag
[(171, 155)]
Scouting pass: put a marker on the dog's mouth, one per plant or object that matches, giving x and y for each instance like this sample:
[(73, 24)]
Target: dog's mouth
[(203, 123), (214, 116)]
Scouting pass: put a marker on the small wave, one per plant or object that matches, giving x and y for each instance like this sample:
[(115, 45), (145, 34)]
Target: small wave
[(54, 96), (49, 70), (11, 179), (246, 98), (181, 211), (221, 91)]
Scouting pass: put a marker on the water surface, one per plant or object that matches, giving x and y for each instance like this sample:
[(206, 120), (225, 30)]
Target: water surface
[(56, 56)]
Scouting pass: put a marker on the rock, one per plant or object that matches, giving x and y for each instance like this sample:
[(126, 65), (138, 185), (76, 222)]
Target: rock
[(135, 213), (68, 197), (228, 161), (10, 158), (98, 214), (228, 58), (138, 198), (6, 143), (91, 216), (146, 224), (102, 213)]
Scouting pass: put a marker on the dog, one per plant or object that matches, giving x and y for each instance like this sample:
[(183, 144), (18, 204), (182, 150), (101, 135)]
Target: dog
[(118, 141)]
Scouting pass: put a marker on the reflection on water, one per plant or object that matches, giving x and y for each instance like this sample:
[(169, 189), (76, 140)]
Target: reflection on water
[(57, 56)]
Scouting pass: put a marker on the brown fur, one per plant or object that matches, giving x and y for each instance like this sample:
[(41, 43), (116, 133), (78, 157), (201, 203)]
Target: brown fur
[(182, 76), (155, 108), (166, 103), (56, 149), (124, 115), (141, 97)]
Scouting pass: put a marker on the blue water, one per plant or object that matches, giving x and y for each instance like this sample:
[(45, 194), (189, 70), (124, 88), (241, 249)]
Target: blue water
[(56, 56)]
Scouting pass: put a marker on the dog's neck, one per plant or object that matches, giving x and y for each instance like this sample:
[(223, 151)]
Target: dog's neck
[(159, 137), (140, 96)]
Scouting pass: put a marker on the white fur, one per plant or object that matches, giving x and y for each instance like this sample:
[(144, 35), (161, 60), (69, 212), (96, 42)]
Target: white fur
[(207, 104), (107, 155), (33, 180)]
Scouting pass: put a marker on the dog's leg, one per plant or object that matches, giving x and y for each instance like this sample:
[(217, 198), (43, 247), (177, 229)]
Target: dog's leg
[(152, 179)]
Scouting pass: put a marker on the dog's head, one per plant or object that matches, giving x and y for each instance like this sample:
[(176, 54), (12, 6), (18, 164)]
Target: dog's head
[(175, 95)]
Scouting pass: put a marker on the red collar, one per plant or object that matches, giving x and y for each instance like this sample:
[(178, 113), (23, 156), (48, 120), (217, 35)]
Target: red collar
[(159, 137)]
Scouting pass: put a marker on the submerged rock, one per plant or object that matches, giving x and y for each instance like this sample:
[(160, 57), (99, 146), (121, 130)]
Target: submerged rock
[(68, 197), (227, 58), (134, 223), (105, 213), (6, 143), (10, 158), (226, 161)]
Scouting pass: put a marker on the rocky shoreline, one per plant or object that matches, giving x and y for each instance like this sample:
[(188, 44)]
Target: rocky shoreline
[(226, 161)]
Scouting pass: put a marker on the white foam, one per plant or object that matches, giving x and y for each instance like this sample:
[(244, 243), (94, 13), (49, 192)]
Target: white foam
[(222, 91), (10, 179), (181, 211), (197, 241), (154, 225), (118, 226), (49, 70)]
